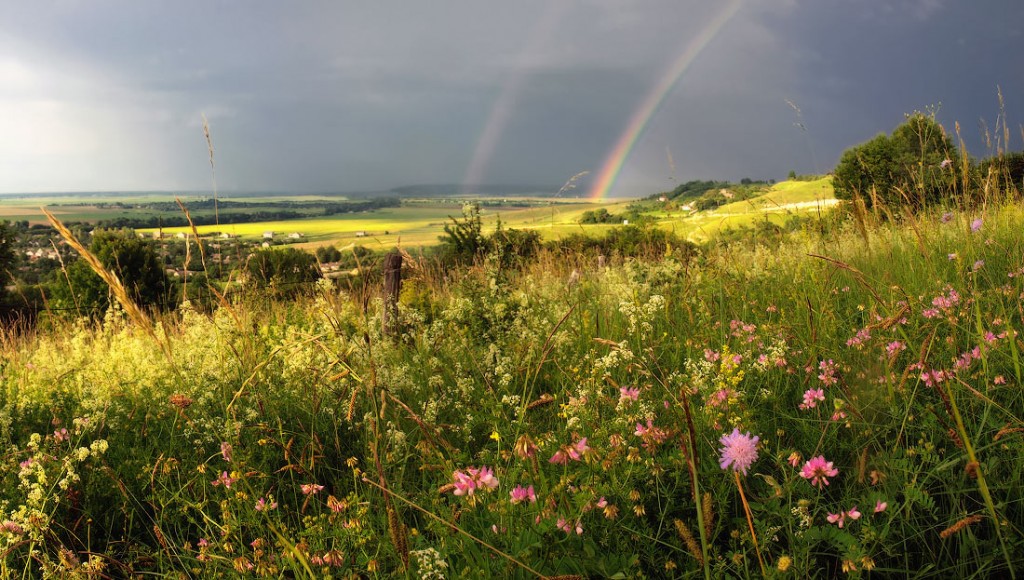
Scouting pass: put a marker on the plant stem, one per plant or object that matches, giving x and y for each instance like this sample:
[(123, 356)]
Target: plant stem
[(750, 522)]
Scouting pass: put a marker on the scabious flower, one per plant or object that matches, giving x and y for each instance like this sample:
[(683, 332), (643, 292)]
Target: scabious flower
[(738, 451), (811, 398), (521, 494), (817, 470), (976, 224)]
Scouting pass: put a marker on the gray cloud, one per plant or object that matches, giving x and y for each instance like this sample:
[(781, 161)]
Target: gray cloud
[(350, 96)]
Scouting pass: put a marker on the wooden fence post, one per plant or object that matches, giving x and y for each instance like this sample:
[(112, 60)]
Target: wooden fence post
[(392, 287)]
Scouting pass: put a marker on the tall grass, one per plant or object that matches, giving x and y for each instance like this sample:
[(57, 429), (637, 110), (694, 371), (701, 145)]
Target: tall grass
[(561, 419)]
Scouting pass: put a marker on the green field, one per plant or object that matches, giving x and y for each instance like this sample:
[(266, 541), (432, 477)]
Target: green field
[(419, 222)]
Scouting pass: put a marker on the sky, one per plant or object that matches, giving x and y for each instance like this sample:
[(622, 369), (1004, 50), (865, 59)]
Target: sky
[(344, 95)]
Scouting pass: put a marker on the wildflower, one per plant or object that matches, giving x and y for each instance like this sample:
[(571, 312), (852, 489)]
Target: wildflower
[(628, 393), (311, 488), (738, 450), (560, 457), (976, 224), (828, 372), (952, 256), (602, 503), (946, 163), (60, 435), (566, 527), (895, 347), (225, 480), (880, 506), (946, 217), (999, 380), (525, 447), (784, 563), (466, 482), (811, 398), (577, 450), (794, 459), (521, 494), (840, 518), (978, 265), (264, 505), (225, 451), (818, 471)]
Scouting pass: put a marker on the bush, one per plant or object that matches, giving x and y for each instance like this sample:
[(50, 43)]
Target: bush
[(910, 168)]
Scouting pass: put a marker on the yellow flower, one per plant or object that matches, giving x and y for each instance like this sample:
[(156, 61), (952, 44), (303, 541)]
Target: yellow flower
[(784, 563), (495, 436)]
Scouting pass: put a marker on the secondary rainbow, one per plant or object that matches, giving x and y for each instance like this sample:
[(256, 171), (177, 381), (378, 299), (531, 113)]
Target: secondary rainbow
[(612, 165)]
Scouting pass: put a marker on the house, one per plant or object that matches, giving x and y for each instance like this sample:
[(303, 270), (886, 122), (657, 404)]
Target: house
[(295, 236), (663, 199), (180, 235), (361, 234), (268, 235)]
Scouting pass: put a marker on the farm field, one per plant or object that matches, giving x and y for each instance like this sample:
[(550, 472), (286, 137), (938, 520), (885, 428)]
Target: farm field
[(420, 222)]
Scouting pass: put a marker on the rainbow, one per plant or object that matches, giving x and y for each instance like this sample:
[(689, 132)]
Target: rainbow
[(504, 106), (613, 162)]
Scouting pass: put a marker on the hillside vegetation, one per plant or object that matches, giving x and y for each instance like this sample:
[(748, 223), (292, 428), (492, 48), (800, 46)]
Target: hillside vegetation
[(845, 400)]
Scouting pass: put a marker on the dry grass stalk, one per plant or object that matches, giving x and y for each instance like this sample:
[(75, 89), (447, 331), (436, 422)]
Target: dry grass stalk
[(213, 167), (195, 234), (544, 399), (134, 312), (708, 508), (968, 521), (691, 543), (398, 536)]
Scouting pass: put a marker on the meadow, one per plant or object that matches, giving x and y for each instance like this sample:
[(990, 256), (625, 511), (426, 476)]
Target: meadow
[(845, 400)]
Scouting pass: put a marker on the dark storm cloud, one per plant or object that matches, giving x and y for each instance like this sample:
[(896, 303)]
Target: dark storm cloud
[(355, 96)]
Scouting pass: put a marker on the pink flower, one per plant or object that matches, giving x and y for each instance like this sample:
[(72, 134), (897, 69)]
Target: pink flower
[(895, 347), (840, 518), (880, 506), (578, 449), (521, 494), (225, 451), (264, 505), (853, 514), (946, 217), (999, 380), (560, 457), (811, 398), (976, 224), (818, 471), (466, 482), (225, 480), (628, 393), (311, 488), (566, 527), (738, 450), (602, 503)]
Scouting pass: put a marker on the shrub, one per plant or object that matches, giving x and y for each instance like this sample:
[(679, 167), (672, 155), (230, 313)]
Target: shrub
[(910, 168)]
